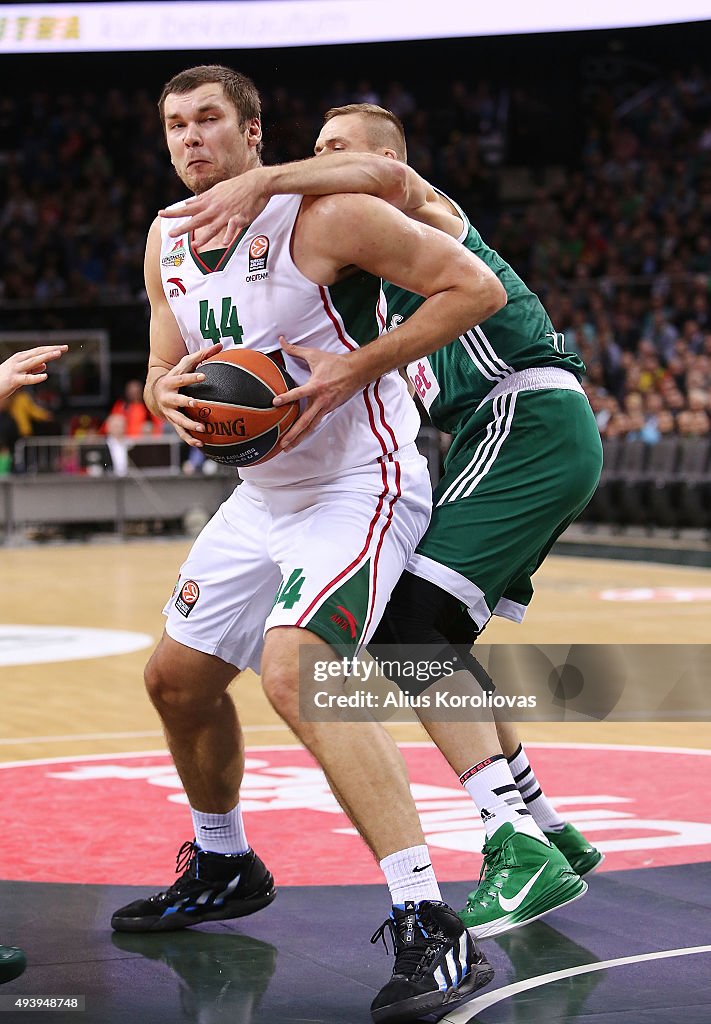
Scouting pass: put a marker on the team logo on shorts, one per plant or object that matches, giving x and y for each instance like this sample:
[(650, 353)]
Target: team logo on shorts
[(258, 256), (187, 598)]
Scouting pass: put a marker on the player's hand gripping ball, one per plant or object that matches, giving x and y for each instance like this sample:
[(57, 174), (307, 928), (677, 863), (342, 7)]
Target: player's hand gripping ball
[(234, 402)]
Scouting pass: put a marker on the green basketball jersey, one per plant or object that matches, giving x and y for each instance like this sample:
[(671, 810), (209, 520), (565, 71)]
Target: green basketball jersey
[(453, 381)]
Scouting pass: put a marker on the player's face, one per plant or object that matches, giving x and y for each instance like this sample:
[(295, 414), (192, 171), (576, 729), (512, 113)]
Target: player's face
[(345, 133), (204, 137)]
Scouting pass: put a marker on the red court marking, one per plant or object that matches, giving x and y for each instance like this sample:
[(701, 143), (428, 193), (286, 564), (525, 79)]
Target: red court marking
[(121, 818)]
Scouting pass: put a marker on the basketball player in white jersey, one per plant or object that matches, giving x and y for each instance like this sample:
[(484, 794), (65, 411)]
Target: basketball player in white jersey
[(311, 532), (18, 370), (367, 153)]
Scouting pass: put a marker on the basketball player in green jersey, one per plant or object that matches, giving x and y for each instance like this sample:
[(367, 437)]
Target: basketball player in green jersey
[(20, 369), (524, 461)]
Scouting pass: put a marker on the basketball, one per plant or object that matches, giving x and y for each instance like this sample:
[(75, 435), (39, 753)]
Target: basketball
[(242, 427)]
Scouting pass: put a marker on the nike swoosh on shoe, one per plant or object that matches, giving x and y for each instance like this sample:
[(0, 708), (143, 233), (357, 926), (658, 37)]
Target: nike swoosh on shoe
[(509, 905)]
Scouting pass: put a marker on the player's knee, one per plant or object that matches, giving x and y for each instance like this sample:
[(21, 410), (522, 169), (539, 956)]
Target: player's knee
[(420, 612), (185, 690), (281, 688), (427, 625), (167, 691)]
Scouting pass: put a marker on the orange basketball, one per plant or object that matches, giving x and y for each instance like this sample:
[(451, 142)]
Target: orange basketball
[(235, 404)]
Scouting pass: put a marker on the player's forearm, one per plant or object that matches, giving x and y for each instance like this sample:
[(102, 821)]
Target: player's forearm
[(439, 320), (342, 172)]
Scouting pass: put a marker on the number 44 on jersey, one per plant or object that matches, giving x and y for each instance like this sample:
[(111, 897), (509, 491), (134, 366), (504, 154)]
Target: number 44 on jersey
[(230, 326)]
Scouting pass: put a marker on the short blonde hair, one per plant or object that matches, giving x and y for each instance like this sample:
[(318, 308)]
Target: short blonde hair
[(385, 129)]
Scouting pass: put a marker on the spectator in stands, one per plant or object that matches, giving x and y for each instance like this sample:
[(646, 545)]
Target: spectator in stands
[(26, 413), (665, 425), (116, 444), (653, 406), (693, 424), (8, 437), (137, 418), (698, 400), (618, 425), (619, 241)]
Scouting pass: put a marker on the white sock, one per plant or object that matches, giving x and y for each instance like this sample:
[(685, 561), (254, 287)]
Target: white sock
[(410, 876), (491, 786), (220, 833), (543, 811)]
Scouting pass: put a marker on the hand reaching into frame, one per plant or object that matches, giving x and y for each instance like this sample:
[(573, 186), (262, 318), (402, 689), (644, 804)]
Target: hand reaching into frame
[(223, 210), (28, 367), (332, 383)]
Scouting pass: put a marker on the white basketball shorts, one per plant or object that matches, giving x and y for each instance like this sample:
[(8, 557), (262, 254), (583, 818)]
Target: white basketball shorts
[(322, 555)]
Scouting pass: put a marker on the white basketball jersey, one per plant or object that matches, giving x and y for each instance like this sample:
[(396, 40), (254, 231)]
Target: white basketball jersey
[(256, 293)]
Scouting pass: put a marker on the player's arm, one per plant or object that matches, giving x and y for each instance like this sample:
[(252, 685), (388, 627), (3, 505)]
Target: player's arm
[(231, 205), (335, 234), (170, 367)]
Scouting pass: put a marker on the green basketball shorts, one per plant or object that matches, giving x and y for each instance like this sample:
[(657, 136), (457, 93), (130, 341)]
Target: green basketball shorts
[(521, 470)]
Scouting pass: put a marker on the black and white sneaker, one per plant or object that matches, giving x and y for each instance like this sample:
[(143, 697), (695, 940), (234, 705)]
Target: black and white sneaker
[(212, 887), (436, 962)]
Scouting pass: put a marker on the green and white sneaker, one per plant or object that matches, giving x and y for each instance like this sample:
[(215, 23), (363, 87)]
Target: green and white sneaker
[(521, 880), (12, 963), (582, 857)]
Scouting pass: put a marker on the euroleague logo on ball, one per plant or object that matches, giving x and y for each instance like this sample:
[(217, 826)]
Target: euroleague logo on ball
[(258, 256)]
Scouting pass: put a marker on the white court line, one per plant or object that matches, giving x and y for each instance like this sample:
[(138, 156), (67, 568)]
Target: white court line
[(117, 735), (618, 746), (290, 746), (466, 1013), (123, 755), (71, 737), (536, 745)]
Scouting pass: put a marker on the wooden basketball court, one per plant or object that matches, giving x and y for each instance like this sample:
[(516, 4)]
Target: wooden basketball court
[(99, 705), (635, 948)]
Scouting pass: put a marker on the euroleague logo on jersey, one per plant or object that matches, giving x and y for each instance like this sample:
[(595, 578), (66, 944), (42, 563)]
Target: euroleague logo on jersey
[(258, 256)]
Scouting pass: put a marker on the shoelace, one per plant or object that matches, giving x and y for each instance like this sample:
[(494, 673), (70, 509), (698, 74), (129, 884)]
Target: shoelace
[(186, 854), (415, 958), (183, 867), (488, 887)]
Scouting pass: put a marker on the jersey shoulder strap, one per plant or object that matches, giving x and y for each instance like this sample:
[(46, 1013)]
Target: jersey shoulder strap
[(466, 223)]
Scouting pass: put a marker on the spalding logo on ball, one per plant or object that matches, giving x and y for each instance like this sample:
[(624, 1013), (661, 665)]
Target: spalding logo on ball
[(234, 402)]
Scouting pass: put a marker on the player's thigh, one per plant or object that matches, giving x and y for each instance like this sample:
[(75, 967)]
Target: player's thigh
[(518, 592), (341, 556), (227, 584), (532, 461)]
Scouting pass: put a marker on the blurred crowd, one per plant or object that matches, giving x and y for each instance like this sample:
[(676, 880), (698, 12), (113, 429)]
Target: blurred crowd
[(611, 226)]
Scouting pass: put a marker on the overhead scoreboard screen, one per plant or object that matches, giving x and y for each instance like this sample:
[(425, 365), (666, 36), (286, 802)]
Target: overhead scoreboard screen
[(248, 24)]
